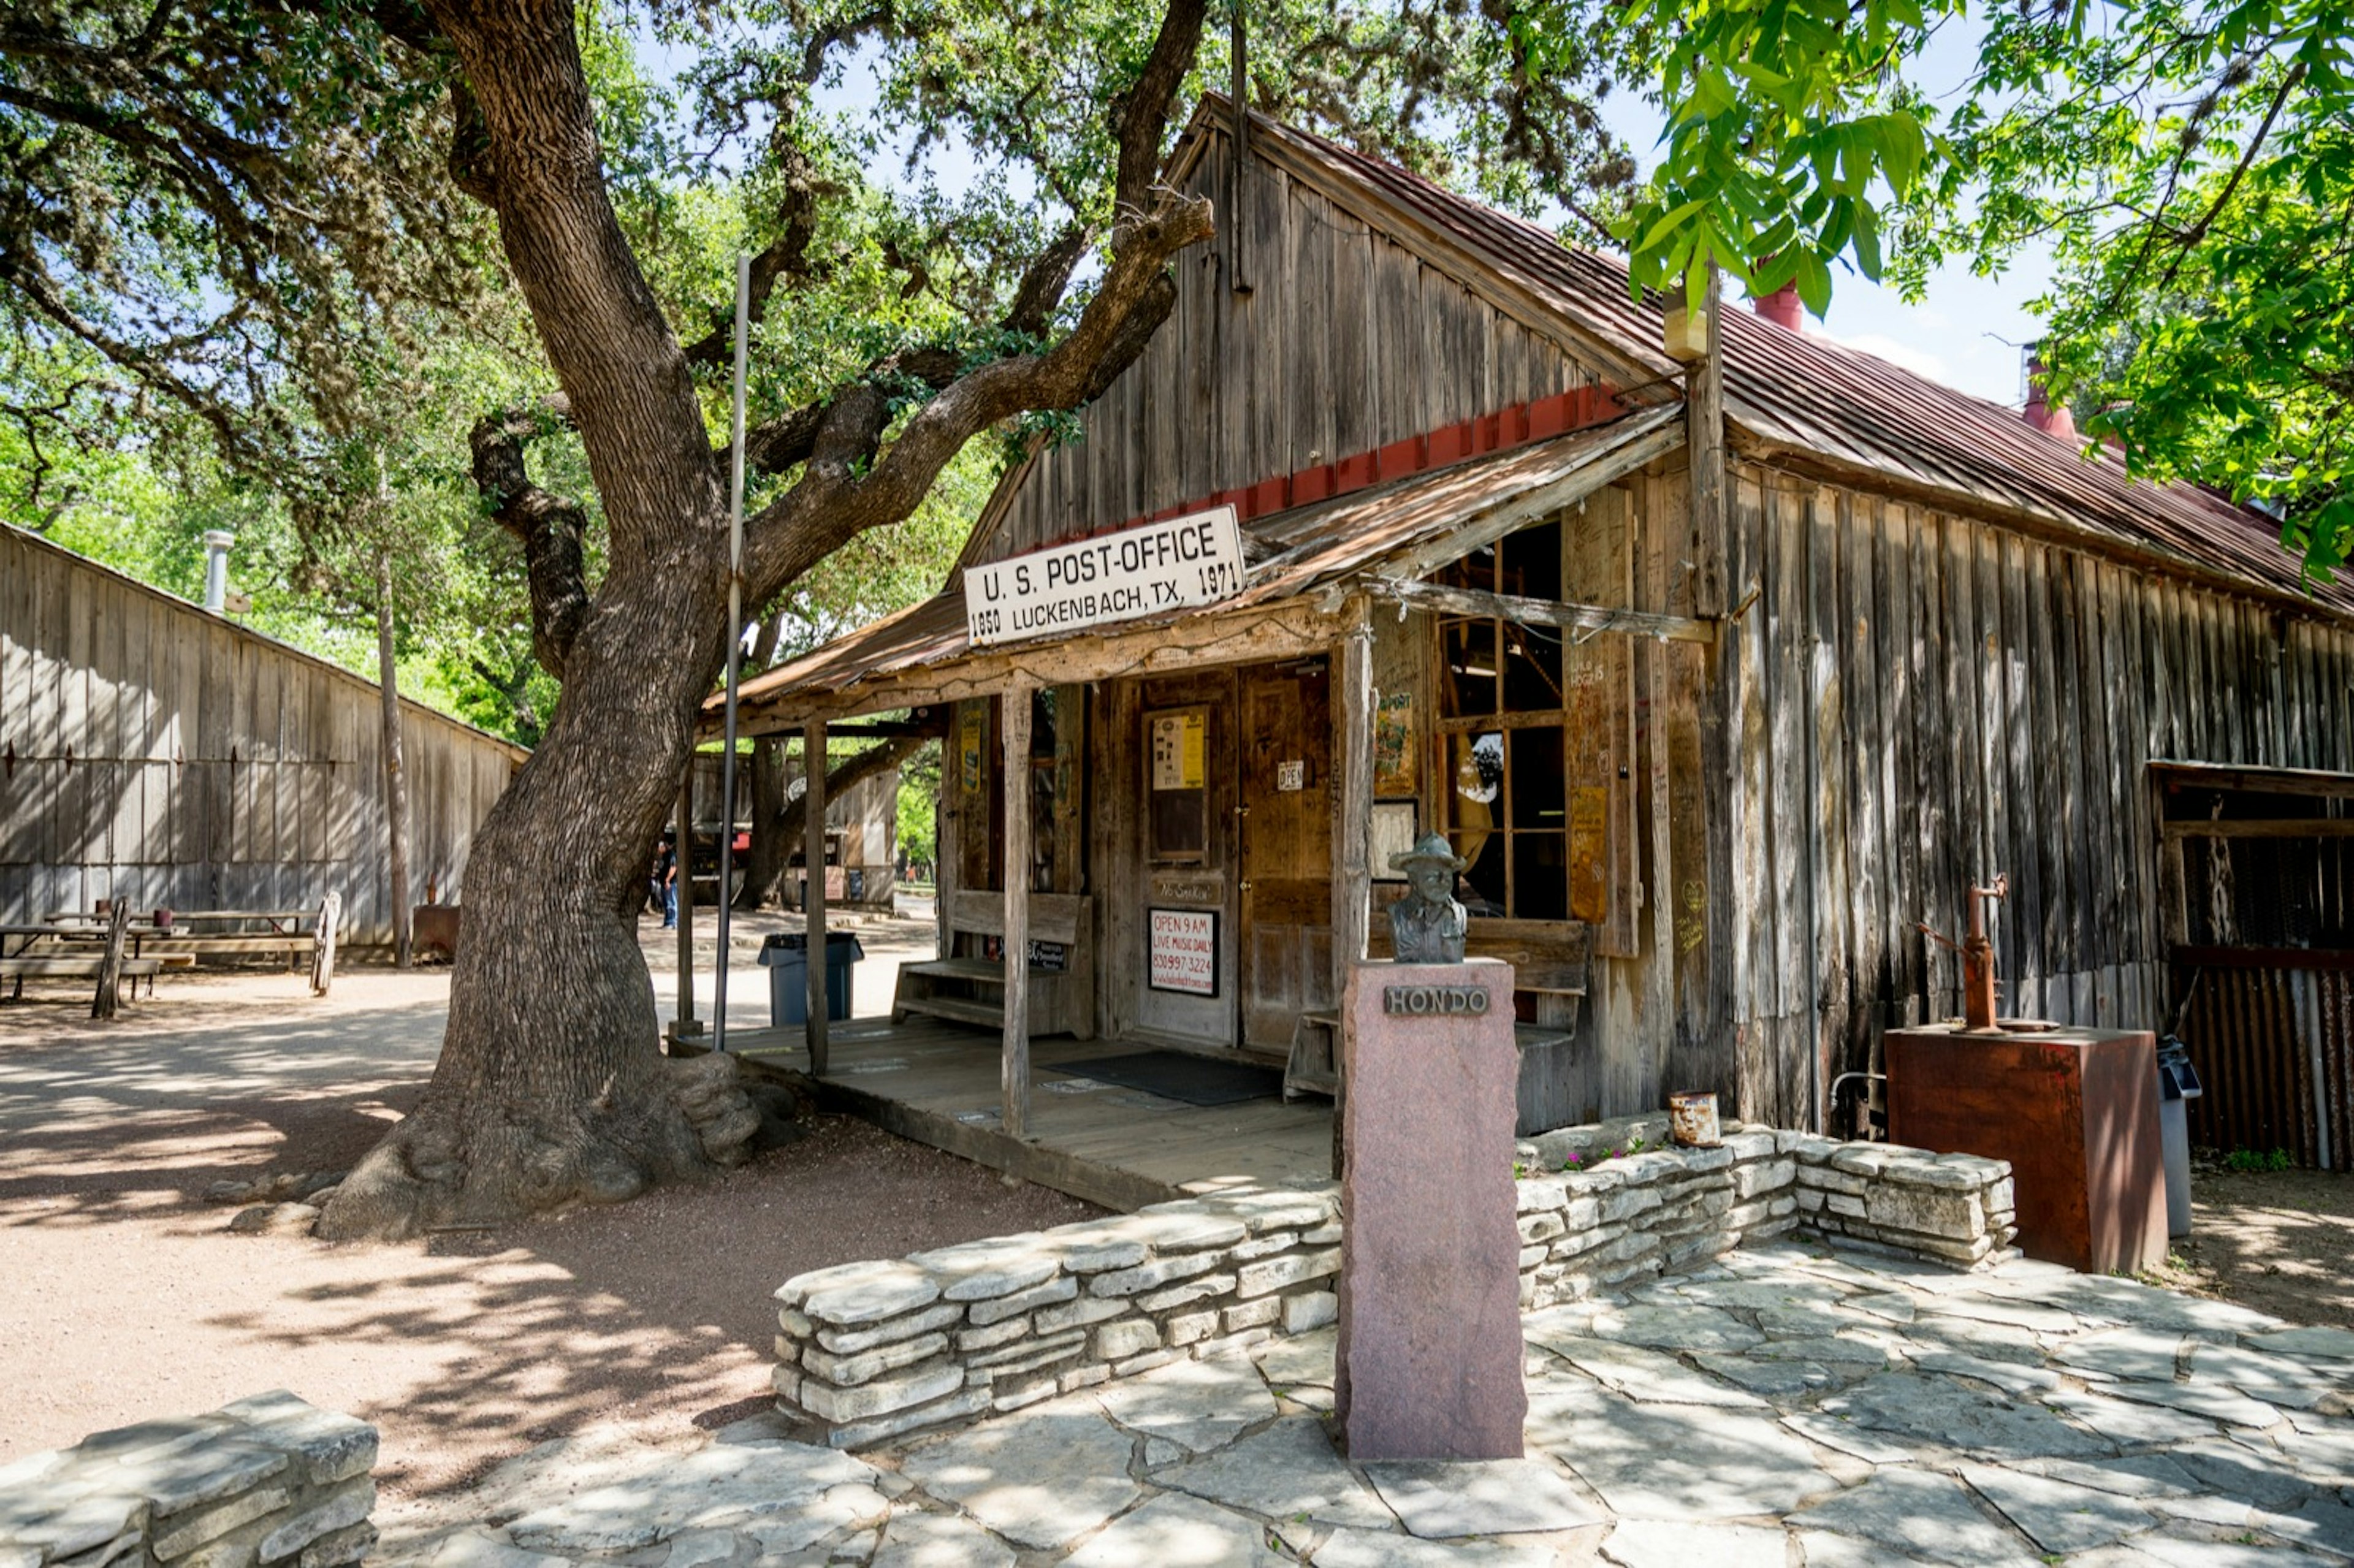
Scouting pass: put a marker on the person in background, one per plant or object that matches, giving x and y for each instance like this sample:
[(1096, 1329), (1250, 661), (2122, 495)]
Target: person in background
[(665, 881)]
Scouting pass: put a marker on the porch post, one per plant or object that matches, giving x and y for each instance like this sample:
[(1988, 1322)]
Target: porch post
[(685, 845), (813, 889), (1070, 784), (1353, 796), (1014, 1079), (1353, 825)]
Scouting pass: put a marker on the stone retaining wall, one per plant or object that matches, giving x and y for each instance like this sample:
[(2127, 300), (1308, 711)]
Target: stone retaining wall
[(1671, 1209), (867, 1350), (870, 1349), (267, 1480)]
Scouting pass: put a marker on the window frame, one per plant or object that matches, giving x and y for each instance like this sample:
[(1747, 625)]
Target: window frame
[(1444, 727)]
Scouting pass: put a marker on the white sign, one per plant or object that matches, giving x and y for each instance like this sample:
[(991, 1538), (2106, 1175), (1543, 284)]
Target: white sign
[(1175, 564), (1185, 952)]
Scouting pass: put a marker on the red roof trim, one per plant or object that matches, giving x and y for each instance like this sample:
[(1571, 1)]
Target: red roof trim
[(1521, 425)]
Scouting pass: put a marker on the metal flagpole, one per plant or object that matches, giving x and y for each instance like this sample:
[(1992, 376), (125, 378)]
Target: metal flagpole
[(735, 648)]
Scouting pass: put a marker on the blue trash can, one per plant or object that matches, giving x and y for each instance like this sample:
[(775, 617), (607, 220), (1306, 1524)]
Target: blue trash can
[(785, 955)]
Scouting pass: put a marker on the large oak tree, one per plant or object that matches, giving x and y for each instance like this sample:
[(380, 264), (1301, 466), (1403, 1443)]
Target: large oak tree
[(547, 1090), (225, 205)]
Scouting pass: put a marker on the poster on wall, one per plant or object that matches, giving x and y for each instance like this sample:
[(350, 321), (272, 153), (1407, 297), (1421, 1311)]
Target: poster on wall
[(1184, 951), (972, 744), (1394, 830), (1177, 751), (1589, 854), (1394, 769)]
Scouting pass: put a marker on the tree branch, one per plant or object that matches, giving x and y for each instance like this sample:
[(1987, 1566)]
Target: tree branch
[(2198, 231), (840, 781), (1140, 115), (787, 256), (551, 528), (851, 484)]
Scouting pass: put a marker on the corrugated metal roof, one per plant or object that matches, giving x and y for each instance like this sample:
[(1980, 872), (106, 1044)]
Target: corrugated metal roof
[(1803, 391), (1288, 554), (922, 634)]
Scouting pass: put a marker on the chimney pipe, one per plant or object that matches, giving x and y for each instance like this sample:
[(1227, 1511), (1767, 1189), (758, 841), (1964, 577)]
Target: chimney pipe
[(217, 544), (2052, 419), (1782, 308)]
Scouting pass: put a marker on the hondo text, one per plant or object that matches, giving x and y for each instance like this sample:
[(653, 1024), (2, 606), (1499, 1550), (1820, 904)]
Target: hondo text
[(1436, 1000)]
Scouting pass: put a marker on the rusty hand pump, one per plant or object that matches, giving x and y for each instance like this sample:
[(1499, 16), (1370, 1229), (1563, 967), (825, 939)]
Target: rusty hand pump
[(1977, 957)]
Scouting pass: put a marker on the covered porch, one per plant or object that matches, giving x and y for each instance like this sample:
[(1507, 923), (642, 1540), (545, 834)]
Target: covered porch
[(1179, 818), (1122, 1148)]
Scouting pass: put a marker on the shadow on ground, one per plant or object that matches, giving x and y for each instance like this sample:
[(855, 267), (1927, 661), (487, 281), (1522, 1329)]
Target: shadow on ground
[(125, 1299)]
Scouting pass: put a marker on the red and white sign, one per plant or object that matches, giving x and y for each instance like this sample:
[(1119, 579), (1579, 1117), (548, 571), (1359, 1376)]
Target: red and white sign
[(1185, 952)]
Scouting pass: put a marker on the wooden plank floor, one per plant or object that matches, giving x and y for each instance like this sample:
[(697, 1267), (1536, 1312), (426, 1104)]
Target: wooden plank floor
[(937, 1083)]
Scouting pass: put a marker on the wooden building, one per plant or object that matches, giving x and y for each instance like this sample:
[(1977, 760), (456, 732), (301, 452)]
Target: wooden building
[(153, 752), (1725, 679), (862, 835)]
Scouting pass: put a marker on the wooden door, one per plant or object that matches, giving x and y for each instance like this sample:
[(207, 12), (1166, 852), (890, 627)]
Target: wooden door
[(1284, 759)]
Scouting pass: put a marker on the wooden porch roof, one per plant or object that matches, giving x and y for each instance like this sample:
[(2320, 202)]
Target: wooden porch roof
[(1305, 559)]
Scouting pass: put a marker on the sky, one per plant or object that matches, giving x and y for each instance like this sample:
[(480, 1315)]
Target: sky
[(1969, 332)]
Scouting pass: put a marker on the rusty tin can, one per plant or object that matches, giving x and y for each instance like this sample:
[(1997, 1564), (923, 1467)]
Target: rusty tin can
[(1692, 1120)]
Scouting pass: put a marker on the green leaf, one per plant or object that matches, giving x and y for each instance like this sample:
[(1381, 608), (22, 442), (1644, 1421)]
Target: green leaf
[(1867, 240)]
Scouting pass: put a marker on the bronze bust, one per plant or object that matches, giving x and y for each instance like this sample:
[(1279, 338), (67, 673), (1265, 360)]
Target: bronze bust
[(1427, 926)]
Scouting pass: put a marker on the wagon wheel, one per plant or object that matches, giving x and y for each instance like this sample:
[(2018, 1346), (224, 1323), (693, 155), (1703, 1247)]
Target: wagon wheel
[(323, 956)]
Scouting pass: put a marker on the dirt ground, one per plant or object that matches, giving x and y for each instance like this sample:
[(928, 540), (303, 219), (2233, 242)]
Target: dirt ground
[(2279, 1241), (124, 1299)]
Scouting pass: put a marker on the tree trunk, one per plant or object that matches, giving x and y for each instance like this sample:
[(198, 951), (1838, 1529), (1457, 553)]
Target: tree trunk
[(109, 967), (764, 867), (551, 1088), (396, 778)]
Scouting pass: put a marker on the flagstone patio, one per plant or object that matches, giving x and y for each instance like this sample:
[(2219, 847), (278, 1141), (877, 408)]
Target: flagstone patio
[(1791, 1404)]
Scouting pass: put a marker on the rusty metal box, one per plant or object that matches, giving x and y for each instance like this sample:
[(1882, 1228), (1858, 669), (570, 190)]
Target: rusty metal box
[(2075, 1113)]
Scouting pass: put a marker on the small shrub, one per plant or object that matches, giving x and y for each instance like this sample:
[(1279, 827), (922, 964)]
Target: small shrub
[(2250, 1159)]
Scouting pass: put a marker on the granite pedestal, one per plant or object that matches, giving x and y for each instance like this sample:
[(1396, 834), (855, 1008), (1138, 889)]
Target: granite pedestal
[(1429, 1356)]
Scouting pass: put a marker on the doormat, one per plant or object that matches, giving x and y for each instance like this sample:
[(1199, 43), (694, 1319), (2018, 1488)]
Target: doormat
[(1179, 1076)]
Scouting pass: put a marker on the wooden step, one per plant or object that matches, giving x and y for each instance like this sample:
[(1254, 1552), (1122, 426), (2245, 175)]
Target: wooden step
[(193, 945), (960, 1010)]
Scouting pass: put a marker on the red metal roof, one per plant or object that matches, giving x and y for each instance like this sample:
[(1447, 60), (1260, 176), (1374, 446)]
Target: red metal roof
[(1803, 391)]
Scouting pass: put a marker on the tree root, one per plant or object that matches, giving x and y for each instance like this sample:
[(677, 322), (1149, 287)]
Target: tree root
[(669, 1121)]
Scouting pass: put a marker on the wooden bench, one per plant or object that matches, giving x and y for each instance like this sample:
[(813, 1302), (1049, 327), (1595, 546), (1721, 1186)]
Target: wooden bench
[(134, 969), (967, 985), (1314, 1067)]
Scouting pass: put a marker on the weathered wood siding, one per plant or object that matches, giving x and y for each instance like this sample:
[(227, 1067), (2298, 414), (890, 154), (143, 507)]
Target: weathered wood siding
[(1922, 701), (153, 752), (1346, 342)]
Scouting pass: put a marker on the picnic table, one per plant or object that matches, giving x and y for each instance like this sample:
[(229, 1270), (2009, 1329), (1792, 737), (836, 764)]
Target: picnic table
[(63, 944), (65, 962)]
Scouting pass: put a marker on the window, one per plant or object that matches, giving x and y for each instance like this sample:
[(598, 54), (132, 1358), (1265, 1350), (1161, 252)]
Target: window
[(1525, 777)]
